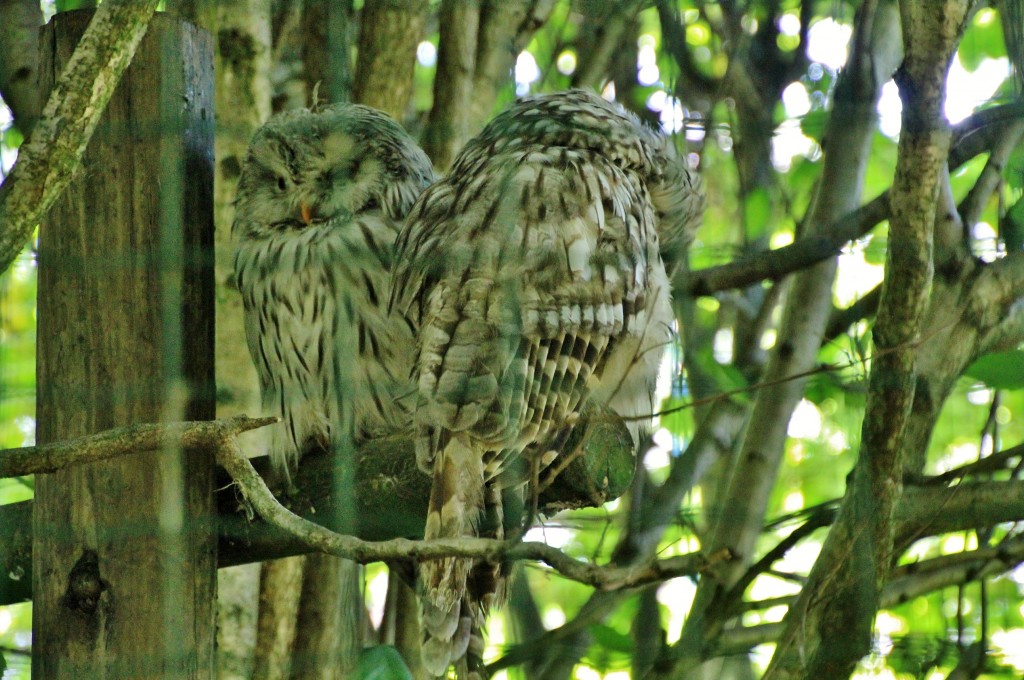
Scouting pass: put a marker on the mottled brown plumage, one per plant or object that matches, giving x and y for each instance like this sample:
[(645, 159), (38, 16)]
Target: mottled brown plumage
[(320, 199), (534, 275)]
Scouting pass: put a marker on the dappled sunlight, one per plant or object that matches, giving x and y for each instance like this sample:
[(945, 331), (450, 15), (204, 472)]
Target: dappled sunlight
[(566, 63), (828, 42), (553, 616), (969, 89), (856, 276), (957, 455), (676, 596), (526, 72), (806, 421), (554, 535), (1009, 644), (375, 591), (426, 54)]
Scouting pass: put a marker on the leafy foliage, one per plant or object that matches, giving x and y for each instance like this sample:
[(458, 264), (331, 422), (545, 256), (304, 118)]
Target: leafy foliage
[(762, 181)]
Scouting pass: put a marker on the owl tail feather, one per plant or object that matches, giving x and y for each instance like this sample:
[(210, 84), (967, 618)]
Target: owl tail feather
[(456, 499)]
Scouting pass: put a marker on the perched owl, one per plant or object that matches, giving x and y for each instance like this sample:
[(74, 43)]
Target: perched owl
[(320, 200), (534, 275)]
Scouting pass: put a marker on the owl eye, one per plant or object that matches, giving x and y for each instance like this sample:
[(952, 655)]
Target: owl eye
[(281, 184)]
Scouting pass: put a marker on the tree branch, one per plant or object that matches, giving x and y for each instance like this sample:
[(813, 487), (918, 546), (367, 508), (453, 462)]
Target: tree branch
[(692, 83), (908, 582), (923, 511), (801, 331), (606, 31), (829, 628), (53, 155), (775, 264), (506, 26), (391, 492), (841, 319), (982, 130), (992, 174), (987, 465), (980, 133), (122, 441), (316, 537)]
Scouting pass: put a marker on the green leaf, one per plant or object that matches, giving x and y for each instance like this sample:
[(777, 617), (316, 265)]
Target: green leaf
[(813, 124), (983, 39), (757, 210), (726, 376), (611, 639), (1013, 173), (13, 138), (1011, 227), (382, 663), (65, 5), (874, 252), (1001, 370)]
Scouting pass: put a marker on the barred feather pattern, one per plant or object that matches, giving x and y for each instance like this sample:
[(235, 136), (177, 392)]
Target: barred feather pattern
[(534, 275), (320, 199)]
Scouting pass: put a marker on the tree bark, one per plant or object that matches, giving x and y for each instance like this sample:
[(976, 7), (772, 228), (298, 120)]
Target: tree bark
[(329, 628), (828, 629), (238, 590), (602, 35), (241, 29), (280, 587), (401, 626), (328, 29), (453, 84), (124, 550), (52, 157), (389, 32), (19, 60), (506, 27), (243, 104), (739, 516)]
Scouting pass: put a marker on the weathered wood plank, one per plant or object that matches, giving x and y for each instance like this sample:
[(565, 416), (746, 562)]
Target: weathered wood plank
[(125, 550)]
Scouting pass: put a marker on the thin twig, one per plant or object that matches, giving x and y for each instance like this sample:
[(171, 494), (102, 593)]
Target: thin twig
[(824, 368)]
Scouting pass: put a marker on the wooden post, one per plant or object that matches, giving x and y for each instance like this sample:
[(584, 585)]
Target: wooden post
[(124, 552)]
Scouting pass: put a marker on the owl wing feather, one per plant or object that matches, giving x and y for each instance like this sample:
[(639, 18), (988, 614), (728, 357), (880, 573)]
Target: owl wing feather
[(534, 272)]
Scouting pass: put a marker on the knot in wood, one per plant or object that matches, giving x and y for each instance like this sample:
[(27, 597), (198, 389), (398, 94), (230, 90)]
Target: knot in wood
[(85, 586)]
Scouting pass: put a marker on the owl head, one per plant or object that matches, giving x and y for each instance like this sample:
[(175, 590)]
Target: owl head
[(305, 168)]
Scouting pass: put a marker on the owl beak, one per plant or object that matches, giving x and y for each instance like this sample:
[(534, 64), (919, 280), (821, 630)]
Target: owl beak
[(306, 211)]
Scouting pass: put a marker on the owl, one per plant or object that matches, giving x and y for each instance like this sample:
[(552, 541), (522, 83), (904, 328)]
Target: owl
[(534, 277), (320, 199)]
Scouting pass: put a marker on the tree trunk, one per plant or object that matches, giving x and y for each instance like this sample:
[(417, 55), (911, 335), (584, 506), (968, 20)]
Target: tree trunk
[(453, 85), (238, 591), (401, 626), (19, 60), (328, 29), (389, 31), (124, 550), (242, 32), (329, 628), (280, 586)]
